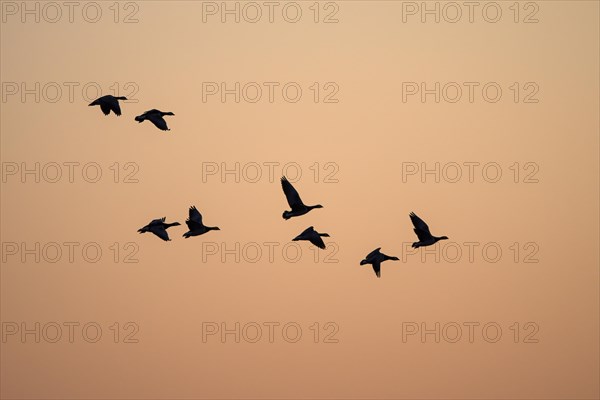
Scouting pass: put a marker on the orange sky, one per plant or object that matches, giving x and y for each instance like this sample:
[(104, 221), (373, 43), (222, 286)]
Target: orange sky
[(357, 157)]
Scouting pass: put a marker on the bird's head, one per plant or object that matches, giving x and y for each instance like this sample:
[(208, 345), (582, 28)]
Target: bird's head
[(169, 113), (216, 228), (444, 238), (318, 206), (175, 224), (394, 258), (122, 98), (363, 262), (286, 215)]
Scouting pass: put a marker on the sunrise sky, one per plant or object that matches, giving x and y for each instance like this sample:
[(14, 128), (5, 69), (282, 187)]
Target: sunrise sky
[(343, 102)]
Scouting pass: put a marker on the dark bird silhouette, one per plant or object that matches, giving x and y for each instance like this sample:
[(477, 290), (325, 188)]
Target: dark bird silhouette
[(293, 199), (375, 258), (312, 236), (422, 231), (195, 225), (159, 228), (156, 117), (108, 103)]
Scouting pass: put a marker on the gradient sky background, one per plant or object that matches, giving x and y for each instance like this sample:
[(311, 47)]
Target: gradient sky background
[(368, 135)]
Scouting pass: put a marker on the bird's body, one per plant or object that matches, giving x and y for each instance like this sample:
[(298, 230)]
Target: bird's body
[(375, 258), (159, 228), (195, 225), (108, 103), (422, 231), (312, 236), (156, 117), (293, 199)]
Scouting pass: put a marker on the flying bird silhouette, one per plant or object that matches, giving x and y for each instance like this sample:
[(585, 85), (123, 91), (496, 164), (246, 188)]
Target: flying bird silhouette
[(156, 117), (312, 236), (108, 103), (422, 231), (195, 225), (375, 258), (293, 199), (159, 228)]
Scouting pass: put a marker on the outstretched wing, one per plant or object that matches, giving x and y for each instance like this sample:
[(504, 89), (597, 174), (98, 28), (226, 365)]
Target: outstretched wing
[(195, 215), (309, 231), (377, 268), (158, 221), (158, 121), (105, 108), (194, 221), (292, 196), (114, 106), (372, 254), (160, 232), (317, 241), (421, 228)]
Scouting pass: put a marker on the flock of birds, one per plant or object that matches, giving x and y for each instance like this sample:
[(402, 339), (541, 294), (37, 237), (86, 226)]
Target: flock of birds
[(110, 103), (196, 227)]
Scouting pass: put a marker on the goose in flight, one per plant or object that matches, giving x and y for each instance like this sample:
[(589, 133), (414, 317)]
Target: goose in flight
[(422, 231), (375, 258), (293, 199), (159, 228), (195, 225), (108, 103), (312, 236), (156, 117)]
